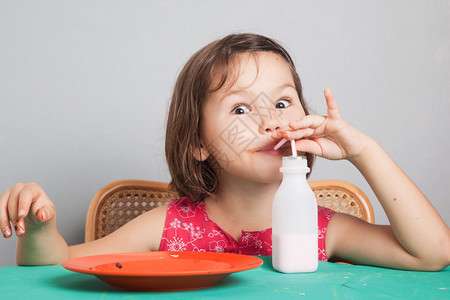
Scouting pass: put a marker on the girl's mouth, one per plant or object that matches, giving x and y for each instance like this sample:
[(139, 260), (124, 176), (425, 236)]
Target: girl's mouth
[(268, 149)]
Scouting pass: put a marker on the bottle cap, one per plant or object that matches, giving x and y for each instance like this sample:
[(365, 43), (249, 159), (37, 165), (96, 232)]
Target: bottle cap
[(294, 164)]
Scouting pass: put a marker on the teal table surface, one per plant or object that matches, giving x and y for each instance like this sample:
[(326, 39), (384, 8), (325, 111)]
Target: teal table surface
[(330, 281)]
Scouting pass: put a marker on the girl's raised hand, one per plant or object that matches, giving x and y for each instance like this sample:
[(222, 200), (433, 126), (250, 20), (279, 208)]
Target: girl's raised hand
[(25, 206), (326, 136)]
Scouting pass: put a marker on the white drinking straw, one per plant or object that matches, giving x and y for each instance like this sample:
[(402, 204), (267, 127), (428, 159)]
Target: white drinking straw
[(293, 148), (280, 143)]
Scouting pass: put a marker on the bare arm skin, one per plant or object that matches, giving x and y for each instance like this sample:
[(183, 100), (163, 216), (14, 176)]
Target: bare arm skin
[(417, 238)]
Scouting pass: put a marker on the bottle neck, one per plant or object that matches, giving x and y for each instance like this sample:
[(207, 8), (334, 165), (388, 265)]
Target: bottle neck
[(298, 164), (295, 176)]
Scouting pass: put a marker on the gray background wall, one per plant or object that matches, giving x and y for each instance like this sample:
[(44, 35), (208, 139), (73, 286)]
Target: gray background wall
[(84, 86)]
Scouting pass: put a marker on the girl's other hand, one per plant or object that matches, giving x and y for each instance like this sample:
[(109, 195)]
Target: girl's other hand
[(326, 136), (25, 206)]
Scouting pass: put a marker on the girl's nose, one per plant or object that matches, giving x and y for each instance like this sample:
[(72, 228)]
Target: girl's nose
[(270, 126)]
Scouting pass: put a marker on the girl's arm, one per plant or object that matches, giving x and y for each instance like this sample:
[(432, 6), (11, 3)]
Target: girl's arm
[(418, 238), (141, 234), (33, 216)]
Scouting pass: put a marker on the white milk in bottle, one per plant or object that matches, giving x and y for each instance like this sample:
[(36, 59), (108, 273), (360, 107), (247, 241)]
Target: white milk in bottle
[(294, 220)]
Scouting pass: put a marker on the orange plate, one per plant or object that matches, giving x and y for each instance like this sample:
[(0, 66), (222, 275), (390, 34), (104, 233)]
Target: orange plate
[(162, 271)]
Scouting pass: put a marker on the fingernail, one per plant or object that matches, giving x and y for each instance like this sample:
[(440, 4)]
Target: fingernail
[(6, 232), (21, 213), (43, 215), (19, 230)]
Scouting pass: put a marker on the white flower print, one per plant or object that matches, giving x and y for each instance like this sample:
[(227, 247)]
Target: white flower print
[(218, 246), (246, 237), (214, 233), (177, 244), (176, 223), (321, 233), (185, 211)]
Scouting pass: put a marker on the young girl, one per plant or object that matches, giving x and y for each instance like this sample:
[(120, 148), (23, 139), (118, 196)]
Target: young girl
[(233, 102)]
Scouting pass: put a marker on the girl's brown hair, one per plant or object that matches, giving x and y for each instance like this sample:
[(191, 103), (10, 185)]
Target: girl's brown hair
[(190, 177)]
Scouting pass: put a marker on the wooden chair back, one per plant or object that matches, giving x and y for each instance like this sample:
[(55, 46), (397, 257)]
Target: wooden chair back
[(121, 201)]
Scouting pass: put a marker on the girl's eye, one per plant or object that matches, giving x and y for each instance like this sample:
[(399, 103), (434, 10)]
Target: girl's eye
[(283, 103), (240, 109)]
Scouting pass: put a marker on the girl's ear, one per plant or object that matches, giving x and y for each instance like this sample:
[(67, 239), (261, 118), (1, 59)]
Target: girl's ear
[(200, 153)]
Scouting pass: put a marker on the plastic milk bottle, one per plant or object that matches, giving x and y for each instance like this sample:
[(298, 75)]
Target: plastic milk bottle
[(294, 220)]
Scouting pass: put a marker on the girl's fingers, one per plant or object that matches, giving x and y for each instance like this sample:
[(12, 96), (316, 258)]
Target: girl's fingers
[(315, 121), (24, 200), (13, 209), (13, 202), (312, 121), (43, 213), (26, 197), (4, 218), (42, 207), (298, 134), (332, 107), (19, 227), (6, 231), (309, 147)]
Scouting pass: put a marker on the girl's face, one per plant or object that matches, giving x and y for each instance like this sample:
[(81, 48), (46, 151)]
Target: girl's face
[(238, 121)]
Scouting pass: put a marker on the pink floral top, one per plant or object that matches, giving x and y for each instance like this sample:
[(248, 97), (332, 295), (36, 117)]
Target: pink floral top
[(188, 228)]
